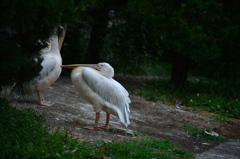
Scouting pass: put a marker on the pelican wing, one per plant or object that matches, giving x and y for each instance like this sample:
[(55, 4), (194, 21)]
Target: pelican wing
[(110, 91), (48, 65)]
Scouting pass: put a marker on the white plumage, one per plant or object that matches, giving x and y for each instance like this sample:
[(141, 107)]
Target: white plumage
[(97, 87), (50, 72)]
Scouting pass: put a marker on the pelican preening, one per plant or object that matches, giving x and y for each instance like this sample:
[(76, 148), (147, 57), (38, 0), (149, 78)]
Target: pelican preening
[(96, 85), (50, 72)]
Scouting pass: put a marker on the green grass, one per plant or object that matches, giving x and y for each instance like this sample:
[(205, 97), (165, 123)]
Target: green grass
[(222, 119), (26, 135), (143, 149), (202, 135), (200, 96), (139, 133)]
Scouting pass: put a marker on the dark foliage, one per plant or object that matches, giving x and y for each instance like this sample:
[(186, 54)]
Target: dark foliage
[(25, 28), (204, 32)]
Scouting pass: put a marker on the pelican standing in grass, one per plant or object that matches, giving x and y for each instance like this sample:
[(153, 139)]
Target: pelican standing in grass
[(95, 84), (51, 70)]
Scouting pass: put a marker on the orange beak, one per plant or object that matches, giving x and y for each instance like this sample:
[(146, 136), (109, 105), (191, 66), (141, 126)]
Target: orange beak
[(95, 66)]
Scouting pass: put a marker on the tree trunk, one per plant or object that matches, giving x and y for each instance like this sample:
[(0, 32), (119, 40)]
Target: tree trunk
[(98, 33), (179, 70)]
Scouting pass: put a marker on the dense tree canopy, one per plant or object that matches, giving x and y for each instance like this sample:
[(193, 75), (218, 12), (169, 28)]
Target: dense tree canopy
[(25, 28), (192, 35)]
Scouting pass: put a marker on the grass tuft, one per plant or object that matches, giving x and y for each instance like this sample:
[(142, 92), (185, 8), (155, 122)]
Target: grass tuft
[(202, 135), (222, 119), (145, 148), (140, 133)]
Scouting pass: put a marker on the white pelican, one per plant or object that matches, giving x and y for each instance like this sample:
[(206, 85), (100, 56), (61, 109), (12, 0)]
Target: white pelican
[(96, 85), (50, 72)]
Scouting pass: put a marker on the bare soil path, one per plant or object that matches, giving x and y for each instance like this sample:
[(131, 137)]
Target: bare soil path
[(161, 121)]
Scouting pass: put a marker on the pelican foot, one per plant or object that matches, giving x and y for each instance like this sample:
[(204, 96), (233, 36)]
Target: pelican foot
[(104, 127), (94, 128), (46, 103)]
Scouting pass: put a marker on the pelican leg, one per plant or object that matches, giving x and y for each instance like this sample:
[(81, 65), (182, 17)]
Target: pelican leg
[(106, 126), (95, 127), (42, 101)]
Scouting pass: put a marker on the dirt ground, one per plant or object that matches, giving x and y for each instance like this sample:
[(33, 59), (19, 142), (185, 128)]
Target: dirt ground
[(159, 120)]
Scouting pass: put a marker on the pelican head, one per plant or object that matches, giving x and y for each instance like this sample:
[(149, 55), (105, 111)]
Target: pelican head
[(106, 69)]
